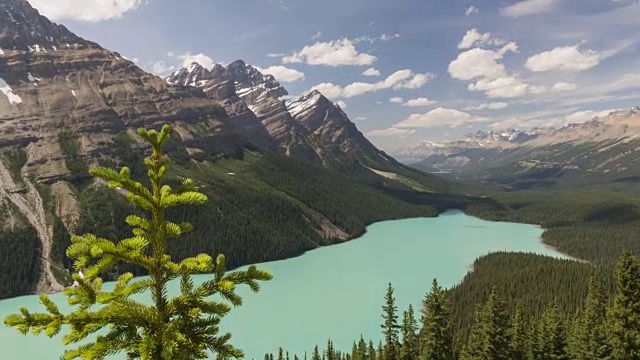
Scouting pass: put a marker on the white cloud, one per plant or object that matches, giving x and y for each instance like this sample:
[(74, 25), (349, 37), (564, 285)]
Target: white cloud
[(360, 118), (332, 53), (582, 116), (564, 86), (371, 72), (316, 36), (401, 79), (483, 68), (275, 55), (504, 87), (489, 106), (419, 102), (373, 39), (396, 100), (417, 81), (357, 88), (342, 104), (478, 63), (189, 58), (438, 117), (473, 37), (85, 10), (161, 68), (471, 10), (387, 37), (283, 73), (329, 90), (529, 7), (538, 89), (391, 132), (565, 58)]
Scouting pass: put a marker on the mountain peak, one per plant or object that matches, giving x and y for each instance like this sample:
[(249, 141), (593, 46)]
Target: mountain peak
[(22, 28), (245, 76)]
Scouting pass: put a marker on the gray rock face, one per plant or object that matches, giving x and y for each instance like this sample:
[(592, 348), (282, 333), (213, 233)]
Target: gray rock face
[(22, 28), (310, 127), (53, 81)]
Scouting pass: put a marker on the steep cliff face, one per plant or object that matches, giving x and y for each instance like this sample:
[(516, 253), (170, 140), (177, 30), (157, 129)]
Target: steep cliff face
[(64, 99), (309, 127)]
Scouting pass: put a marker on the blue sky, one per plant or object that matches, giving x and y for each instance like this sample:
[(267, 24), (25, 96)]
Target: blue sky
[(404, 70)]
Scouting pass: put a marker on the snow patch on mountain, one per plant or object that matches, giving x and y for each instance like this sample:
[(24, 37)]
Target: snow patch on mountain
[(8, 92), (303, 104)]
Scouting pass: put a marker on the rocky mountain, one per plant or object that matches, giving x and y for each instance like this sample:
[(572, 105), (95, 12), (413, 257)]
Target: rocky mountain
[(309, 127), (67, 103), (601, 149), (64, 99)]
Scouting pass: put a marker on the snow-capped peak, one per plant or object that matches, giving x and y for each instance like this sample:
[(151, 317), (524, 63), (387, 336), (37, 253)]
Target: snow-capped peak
[(304, 103)]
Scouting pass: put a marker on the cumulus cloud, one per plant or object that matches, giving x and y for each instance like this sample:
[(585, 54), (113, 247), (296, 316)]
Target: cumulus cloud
[(331, 53), (391, 132), (189, 58), (85, 10), (471, 10), (489, 106), (360, 118), (485, 72), (401, 79), (582, 116), (329, 90), (161, 68), (396, 100), (473, 37), (564, 86), (275, 55), (371, 72), (480, 63), (438, 117), (342, 104), (419, 102), (283, 73), (529, 7), (565, 58), (503, 87)]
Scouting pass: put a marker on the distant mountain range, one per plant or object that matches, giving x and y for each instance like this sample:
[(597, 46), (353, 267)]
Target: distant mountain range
[(600, 150)]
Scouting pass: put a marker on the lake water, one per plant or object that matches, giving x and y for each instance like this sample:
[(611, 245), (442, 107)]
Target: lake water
[(335, 291)]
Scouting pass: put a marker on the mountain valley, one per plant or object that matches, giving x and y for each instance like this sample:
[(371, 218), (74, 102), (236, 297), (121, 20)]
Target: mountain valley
[(599, 152), (69, 104)]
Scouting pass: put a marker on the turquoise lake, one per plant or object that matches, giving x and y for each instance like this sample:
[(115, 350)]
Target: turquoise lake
[(335, 291)]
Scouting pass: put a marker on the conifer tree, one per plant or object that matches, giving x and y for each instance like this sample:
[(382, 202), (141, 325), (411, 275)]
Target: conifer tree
[(589, 334), (489, 339), (280, 355), (575, 337), (436, 337), (552, 341), (390, 325), (372, 351), (362, 349), (354, 351), (519, 334), (183, 327), (380, 355), (409, 347), (316, 354), (330, 352), (625, 314)]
